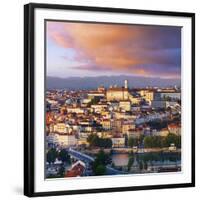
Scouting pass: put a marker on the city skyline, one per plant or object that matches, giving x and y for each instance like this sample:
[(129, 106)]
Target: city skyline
[(79, 49), (113, 131), (113, 99)]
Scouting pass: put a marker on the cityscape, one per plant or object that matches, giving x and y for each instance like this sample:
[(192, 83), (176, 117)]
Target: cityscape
[(113, 100), (113, 131)]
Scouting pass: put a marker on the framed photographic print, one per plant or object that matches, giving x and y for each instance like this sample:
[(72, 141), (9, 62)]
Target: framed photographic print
[(108, 99)]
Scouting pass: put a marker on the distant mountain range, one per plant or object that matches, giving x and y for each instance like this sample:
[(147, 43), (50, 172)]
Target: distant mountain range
[(93, 82)]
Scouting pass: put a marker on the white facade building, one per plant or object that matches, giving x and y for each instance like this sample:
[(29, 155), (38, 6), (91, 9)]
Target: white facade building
[(118, 141), (66, 140)]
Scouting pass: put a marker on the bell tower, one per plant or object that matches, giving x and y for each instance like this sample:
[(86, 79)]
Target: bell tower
[(126, 84)]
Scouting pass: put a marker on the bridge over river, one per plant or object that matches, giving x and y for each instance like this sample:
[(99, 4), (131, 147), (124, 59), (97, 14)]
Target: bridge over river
[(88, 160), (80, 156)]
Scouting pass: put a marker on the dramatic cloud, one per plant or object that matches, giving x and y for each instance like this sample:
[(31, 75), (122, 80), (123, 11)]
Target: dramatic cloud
[(134, 49)]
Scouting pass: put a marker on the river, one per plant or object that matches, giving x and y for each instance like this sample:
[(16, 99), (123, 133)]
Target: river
[(157, 159)]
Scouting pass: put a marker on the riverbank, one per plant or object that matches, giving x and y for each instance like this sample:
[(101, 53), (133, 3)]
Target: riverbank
[(145, 150), (130, 150)]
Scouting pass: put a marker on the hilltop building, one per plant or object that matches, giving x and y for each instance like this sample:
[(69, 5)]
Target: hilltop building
[(118, 93), (122, 94)]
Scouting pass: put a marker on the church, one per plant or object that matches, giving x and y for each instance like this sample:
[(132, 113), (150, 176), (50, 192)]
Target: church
[(118, 93)]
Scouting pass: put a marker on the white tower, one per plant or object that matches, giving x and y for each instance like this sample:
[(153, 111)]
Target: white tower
[(126, 84)]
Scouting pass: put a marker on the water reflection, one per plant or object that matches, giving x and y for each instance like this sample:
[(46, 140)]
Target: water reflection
[(151, 158)]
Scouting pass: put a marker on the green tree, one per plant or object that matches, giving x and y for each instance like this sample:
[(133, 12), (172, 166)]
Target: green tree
[(153, 141), (94, 100), (95, 141), (64, 156), (130, 162), (132, 142), (158, 141), (100, 170), (141, 139), (148, 142), (101, 159), (51, 155), (105, 142), (173, 139), (92, 140)]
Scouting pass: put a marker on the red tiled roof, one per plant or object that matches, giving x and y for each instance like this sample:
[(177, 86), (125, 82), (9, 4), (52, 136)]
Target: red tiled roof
[(174, 126), (77, 170)]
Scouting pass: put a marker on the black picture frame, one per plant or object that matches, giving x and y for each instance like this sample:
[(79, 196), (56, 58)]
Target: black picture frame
[(29, 95)]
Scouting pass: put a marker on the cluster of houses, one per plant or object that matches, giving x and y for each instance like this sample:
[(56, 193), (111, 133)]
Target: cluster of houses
[(112, 113)]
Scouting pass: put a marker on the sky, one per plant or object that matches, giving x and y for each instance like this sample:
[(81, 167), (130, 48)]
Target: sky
[(77, 49)]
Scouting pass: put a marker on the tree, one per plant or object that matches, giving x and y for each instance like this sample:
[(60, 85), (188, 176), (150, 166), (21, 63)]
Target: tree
[(145, 165), (153, 142), (148, 143), (51, 155), (141, 139), (140, 165), (113, 165), (94, 101), (95, 141), (132, 142), (130, 162), (160, 142), (101, 159), (104, 142), (92, 139), (64, 156), (173, 139), (100, 170)]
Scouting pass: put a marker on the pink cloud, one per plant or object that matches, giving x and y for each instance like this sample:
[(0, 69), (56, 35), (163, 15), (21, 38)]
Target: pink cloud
[(107, 46)]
